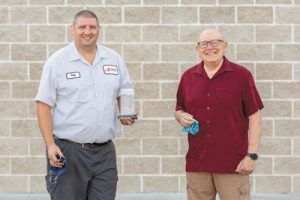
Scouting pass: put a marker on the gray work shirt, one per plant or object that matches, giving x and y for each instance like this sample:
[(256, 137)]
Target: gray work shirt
[(82, 95)]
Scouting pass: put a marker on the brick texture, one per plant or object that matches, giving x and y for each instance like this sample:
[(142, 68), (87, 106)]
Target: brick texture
[(264, 166), (16, 33), (175, 15), (270, 146), (274, 71), (139, 15), (47, 34), (138, 52), (264, 89), (134, 186), (273, 33), (123, 34), (4, 52), (153, 184), (280, 184), (35, 184), (296, 33), (160, 33), (47, 2), (285, 165), (157, 39), (254, 52), (160, 71), (242, 33), (217, 15), (288, 15), (236, 2), (296, 149), (28, 15), (28, 52), (259, 15)]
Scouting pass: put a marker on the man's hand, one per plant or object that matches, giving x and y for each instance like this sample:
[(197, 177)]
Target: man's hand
[(186, 119), (246, 166), (54, 153), (127, 121)]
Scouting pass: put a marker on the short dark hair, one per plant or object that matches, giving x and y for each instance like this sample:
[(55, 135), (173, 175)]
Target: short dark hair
[(85, 13)]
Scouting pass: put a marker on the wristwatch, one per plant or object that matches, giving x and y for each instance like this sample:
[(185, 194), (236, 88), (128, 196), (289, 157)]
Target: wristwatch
[(253, 156)]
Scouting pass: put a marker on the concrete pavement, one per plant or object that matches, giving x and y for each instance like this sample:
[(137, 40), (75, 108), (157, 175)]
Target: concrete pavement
[(145, 196)]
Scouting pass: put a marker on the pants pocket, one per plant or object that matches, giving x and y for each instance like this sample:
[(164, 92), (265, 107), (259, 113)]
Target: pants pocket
[(51, 182)]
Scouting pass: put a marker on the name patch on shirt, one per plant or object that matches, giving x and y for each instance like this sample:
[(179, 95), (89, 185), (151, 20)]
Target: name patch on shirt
[(72, 75), (110, 69)]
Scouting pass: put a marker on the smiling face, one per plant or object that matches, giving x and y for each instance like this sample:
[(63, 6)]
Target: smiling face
[(85, 32), (211, 47)]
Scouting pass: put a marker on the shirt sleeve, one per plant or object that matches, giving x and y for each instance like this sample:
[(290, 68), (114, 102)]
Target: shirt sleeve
[(251, 101), (47, 88), (180, 102), (126, 86)]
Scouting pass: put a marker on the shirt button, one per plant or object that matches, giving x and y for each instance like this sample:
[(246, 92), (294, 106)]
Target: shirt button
[(207, 108), (208, 94), (207, 121), (207, 135)]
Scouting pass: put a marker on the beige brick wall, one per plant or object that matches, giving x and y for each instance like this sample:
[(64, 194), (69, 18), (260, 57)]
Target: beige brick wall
[(157, 39)]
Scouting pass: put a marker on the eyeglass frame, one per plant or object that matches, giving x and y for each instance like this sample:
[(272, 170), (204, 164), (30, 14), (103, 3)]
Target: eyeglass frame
[(209, 42)]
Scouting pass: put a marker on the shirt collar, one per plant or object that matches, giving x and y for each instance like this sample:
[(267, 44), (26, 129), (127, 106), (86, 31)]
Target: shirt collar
[(75, 55), (226, 67)]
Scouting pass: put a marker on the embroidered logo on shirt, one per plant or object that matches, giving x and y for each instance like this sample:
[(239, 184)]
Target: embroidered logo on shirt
[(72, 75), (110, 69)]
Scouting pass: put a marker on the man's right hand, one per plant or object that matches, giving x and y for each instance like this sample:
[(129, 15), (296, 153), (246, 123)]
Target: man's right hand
[(54, 153), (186, 119)]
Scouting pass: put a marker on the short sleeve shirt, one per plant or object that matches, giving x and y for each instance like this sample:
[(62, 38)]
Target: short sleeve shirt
[(83, 95), (222, 106)]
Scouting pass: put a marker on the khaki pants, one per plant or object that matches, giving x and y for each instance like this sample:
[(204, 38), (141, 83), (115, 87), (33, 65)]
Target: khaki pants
[(204, 186)]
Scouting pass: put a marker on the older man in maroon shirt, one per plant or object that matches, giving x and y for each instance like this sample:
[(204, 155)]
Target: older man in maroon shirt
[(222, 97)]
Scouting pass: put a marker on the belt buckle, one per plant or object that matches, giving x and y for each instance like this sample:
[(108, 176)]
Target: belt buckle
[(87, 145)]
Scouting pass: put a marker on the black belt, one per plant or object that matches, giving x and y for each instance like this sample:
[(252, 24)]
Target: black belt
[(84, 145)]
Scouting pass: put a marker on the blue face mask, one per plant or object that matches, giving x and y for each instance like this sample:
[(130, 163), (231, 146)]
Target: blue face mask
[(193, 129)]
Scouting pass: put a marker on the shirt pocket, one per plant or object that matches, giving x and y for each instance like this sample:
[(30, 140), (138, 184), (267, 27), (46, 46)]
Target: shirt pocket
[(74, 90), (112, 85)]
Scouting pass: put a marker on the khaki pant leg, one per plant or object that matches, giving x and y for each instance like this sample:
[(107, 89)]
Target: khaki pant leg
[(232, 186), (200, 186)]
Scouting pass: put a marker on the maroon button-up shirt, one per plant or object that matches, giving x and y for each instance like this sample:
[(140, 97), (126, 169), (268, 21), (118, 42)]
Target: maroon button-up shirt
[(222, 106)]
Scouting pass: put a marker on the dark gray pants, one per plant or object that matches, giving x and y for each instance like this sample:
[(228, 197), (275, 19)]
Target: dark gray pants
[(91, 173)]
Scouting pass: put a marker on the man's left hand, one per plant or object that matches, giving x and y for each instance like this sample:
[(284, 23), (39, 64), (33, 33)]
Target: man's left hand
[(246, 166)]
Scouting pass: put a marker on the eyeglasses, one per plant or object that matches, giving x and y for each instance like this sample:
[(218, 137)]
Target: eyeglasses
[(213, 43)]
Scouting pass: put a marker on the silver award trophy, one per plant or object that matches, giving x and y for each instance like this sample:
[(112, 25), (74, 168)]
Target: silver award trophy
[(127, 107)]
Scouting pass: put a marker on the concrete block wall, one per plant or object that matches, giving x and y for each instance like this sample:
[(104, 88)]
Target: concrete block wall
[(157, 40)]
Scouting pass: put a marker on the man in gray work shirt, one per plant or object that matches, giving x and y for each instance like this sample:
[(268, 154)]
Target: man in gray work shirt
[(77, 114)]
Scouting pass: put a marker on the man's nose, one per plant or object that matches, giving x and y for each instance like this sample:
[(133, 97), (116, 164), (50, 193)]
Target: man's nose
[(209, 45), (87, 31)]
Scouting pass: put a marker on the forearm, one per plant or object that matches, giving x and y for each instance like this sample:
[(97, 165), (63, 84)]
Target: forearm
[(45, 122), (255, 124)]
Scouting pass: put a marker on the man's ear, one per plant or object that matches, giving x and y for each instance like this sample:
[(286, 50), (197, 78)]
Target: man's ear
[(71, 28), (225, 46)]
